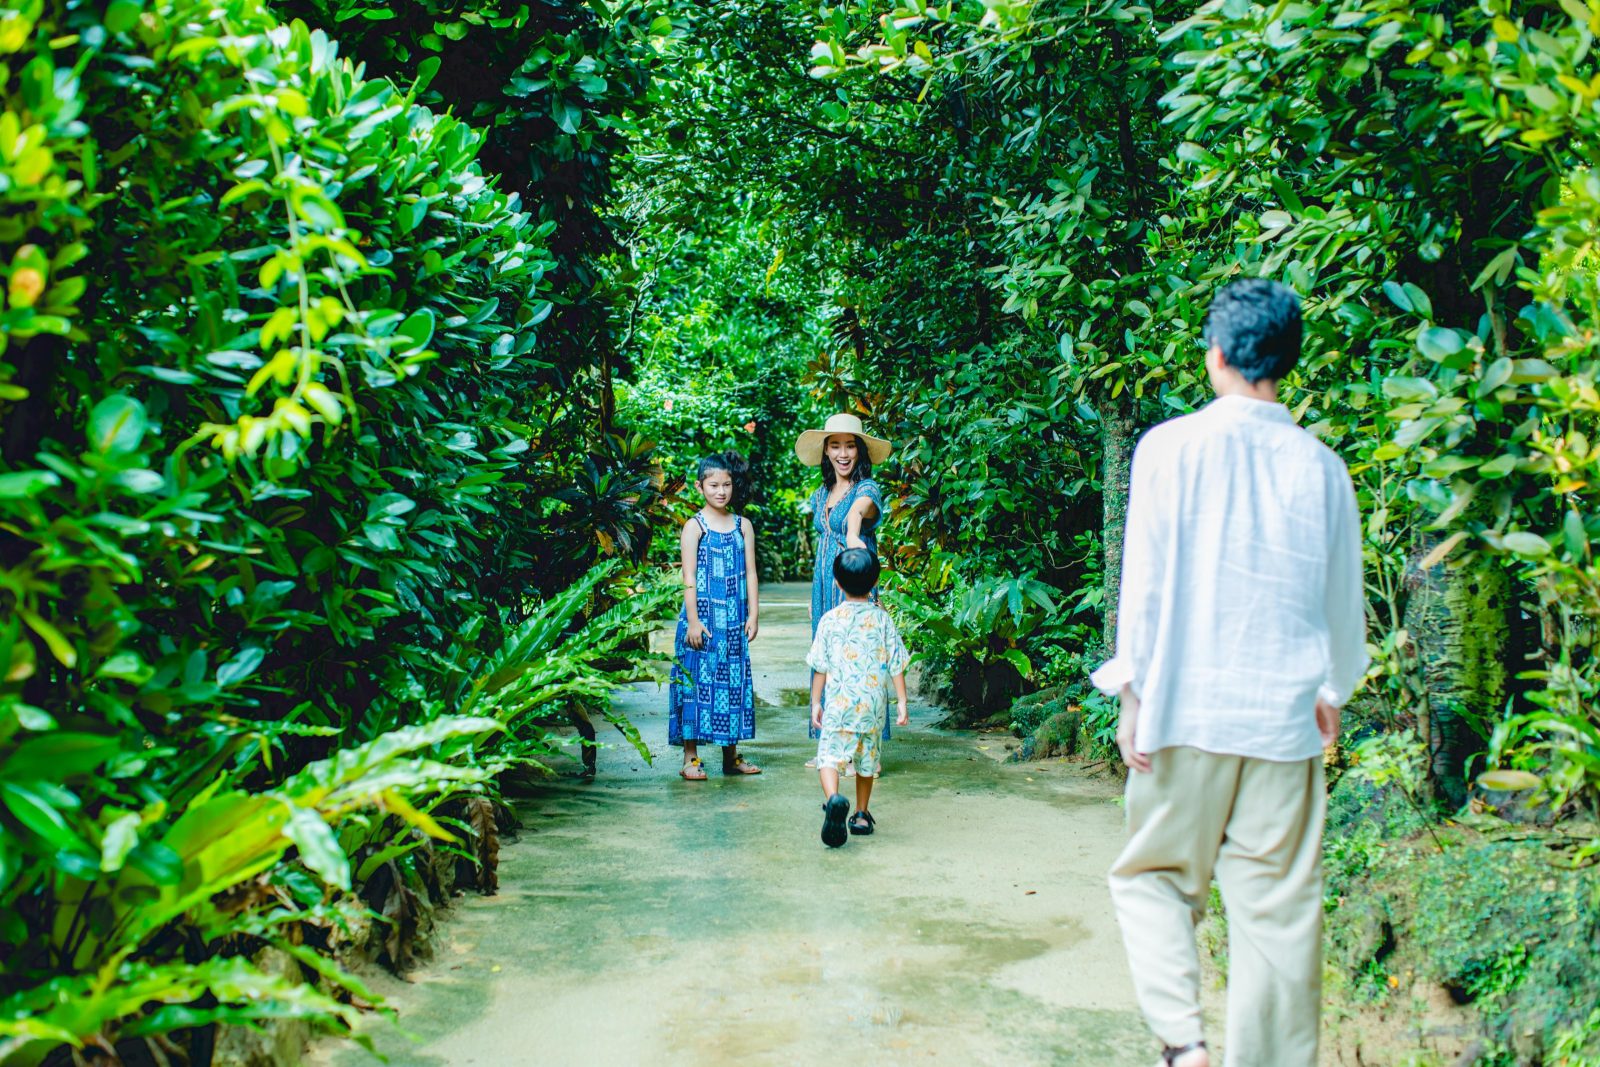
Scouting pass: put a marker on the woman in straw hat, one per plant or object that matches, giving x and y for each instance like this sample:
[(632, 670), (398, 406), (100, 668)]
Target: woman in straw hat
[(846, 509)]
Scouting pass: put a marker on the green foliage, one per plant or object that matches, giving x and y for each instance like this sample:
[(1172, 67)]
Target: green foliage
[(723, 332), (552, 85), (278, 470)]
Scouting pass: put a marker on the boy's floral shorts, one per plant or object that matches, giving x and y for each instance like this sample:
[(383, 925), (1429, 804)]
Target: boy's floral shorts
[(835, 748)]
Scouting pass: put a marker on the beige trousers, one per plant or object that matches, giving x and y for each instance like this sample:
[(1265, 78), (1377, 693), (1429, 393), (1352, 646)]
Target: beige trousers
[(1258, 826)]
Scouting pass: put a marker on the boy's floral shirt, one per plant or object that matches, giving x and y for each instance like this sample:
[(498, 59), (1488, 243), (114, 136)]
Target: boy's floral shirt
[(859, 649)]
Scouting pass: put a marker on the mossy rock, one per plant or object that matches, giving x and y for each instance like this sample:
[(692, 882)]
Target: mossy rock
[(1059, 735), (1028, 712), (1499, 923)]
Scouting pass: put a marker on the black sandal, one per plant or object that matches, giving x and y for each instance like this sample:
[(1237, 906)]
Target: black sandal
[(834, 809), (1169, 1055), (862, 823)]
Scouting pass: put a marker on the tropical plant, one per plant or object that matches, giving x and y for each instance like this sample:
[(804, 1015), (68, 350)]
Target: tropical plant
[(270, 414)]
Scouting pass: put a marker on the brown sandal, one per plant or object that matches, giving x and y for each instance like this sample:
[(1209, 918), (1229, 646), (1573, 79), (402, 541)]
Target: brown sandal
[(739, 765), (693, 770), (1169, 1055)]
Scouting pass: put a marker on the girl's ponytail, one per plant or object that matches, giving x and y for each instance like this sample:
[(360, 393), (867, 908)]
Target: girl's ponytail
[(739, 468)]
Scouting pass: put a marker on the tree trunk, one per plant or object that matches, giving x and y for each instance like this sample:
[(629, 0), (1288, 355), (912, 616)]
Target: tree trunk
[(1459, 616), (1117, 438)]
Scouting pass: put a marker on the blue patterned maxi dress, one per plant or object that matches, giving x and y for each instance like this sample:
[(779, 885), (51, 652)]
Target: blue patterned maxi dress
[(831, 527), (712, 698)]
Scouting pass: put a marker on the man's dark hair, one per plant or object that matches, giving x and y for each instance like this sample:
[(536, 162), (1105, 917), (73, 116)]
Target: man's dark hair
[(1256, 323), (856, 570)]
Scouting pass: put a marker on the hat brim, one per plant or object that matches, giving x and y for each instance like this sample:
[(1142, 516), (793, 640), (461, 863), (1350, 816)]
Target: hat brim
[(809, 446)]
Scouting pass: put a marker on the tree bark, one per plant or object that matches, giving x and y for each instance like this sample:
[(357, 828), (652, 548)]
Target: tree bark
[(1118, 435), (1459, 616)]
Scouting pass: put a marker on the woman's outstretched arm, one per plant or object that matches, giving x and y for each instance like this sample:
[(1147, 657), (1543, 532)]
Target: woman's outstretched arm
[(862, 512)]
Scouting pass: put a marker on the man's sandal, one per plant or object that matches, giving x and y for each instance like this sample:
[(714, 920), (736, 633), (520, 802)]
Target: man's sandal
[(1169, 1055), (693, 771), (862, 823), (739, 765)]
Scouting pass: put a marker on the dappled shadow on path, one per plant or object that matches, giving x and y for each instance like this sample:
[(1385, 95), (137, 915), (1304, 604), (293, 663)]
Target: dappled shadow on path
[(643, 919)]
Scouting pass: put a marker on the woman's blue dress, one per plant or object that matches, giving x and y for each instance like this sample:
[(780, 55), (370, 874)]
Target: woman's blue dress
[(712, 697), (831, 529)]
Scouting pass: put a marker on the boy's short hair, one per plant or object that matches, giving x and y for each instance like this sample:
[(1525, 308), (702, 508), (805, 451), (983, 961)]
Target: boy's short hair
[(1256, 324), (856, 570)]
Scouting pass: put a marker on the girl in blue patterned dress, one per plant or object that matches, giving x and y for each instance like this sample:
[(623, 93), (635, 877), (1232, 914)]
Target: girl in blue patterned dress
[(845, 510), (712, 699)]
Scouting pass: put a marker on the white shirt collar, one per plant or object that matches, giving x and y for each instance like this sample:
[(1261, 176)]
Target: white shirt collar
[(1248, 407)]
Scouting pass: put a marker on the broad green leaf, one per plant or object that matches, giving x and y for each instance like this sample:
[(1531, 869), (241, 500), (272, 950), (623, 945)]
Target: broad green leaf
[(1524, 543), (417, 329), (117, 425), (1438, 342), (241, 666), (33, 810), (22, 484)]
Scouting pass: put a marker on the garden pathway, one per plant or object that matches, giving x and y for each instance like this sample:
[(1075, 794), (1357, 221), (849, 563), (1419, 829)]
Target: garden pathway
[(647, 920)]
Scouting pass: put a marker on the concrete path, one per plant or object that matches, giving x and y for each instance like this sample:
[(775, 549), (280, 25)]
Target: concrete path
[(647, 920)]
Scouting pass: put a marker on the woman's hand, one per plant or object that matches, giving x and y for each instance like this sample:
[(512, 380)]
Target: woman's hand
[(816, 716), (853, 541), (697, 635), (751, 628), (904, 718)]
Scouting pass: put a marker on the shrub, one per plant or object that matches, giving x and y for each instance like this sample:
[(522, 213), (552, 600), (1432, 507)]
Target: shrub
[(268, 397)]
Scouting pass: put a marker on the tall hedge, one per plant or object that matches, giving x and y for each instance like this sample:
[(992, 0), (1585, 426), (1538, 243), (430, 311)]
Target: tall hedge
[(265, 390)]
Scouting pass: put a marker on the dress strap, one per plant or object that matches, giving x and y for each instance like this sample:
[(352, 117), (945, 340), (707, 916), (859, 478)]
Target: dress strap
[(704, 529)]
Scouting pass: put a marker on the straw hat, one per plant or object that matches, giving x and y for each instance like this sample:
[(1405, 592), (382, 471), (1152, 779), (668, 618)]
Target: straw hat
[(809, 447)]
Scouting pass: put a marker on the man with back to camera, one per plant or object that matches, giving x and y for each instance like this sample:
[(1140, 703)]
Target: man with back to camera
[(1241, 632)]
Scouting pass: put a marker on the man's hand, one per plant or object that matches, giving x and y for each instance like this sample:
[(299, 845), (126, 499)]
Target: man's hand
[(1327, 722), (904, 718), (1135, 760)]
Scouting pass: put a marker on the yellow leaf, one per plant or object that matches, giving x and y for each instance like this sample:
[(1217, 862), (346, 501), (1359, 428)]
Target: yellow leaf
[(1577, 85), (393, 801), (324, 402), (60, 647), (26, 285), (1506, 30), (1509, 781), (1441, 550)]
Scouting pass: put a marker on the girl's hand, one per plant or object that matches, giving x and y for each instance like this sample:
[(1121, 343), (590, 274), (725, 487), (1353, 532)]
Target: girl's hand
[(904, 718), (751, 628), (816, 716), (697, 635)]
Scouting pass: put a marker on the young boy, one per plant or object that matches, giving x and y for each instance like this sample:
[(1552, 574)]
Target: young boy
[(856, 652)]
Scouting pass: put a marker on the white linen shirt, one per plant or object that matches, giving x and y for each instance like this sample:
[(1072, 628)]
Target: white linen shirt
[(1242, 596)]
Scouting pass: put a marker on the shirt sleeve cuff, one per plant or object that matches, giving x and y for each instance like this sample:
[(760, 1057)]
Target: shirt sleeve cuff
[(1112, 675)]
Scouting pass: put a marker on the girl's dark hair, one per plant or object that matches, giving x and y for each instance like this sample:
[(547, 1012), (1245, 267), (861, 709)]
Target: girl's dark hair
[(860, 473), (856, 570), (738, 469)]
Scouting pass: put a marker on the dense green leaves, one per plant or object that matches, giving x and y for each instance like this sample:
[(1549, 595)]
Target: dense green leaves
[(275, 473)]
